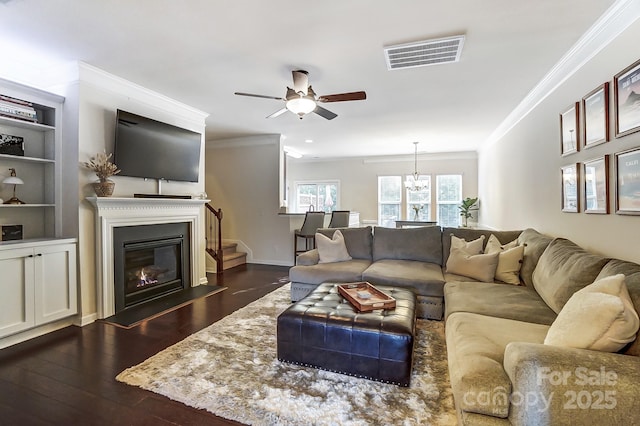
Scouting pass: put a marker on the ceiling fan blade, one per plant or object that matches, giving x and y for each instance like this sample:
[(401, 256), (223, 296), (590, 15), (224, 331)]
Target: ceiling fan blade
[(325, 113), (341, 97), (277, 113), (277, 98), (300, 81)]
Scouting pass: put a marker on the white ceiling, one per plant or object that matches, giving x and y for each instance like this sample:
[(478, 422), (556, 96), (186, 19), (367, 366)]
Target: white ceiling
[(200, 52)]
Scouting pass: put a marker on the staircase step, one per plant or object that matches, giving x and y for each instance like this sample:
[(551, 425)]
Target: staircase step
[(234, 259), (229, 248)]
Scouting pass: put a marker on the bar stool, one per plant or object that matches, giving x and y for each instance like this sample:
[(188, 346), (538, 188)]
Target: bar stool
[(339, 219), (312, 221)]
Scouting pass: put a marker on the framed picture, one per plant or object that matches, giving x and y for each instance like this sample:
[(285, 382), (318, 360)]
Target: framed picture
[(596, 185), (570, 188), (627, 100), (595, 110), (570, 130), (628, 182)]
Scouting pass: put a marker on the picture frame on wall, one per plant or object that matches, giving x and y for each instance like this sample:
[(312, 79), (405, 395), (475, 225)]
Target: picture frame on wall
[(627, 100), (627, 165), (570, 129), (595, 110), (571, 188), (596, 185)]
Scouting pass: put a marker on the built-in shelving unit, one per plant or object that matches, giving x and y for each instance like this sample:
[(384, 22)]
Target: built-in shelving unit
[(39, 168), (39, 270)]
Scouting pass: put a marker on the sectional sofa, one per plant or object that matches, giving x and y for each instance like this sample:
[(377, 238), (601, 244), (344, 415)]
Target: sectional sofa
[(501, 370)]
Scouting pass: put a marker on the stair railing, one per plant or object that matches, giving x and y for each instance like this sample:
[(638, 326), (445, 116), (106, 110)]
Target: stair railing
[(213, 223)]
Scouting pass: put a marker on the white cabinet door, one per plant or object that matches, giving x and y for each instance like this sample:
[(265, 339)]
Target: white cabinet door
[(55, 282), (17, 285)]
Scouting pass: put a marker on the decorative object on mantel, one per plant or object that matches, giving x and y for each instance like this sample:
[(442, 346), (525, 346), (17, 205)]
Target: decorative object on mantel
[(466, 208), (13, 180), (104, 169), (415, 184)]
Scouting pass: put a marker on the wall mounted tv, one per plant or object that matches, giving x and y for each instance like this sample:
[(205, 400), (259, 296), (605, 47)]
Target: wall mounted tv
[(147, 148)]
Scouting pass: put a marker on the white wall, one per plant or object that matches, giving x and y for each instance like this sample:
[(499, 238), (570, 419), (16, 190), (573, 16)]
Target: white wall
[(359, 176), (242, 179), (519, 175), (90, 107)]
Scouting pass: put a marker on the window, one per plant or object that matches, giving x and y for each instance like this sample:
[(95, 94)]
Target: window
[(318, 196), (449, 197), (389, 200), (419, 201)]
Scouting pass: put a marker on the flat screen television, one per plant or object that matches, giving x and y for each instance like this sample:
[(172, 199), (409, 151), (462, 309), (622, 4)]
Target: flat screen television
[(151, 149)]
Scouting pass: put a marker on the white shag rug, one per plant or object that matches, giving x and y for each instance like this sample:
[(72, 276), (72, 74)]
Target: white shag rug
[(230, 369)]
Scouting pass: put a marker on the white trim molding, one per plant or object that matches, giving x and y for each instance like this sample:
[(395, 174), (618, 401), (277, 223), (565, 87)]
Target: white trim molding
[(116, 212)]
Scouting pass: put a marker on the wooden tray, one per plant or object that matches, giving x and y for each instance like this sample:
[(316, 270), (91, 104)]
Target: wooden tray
[(377, 299)]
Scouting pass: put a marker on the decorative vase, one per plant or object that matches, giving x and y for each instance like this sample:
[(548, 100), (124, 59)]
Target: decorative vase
[(104, 188)]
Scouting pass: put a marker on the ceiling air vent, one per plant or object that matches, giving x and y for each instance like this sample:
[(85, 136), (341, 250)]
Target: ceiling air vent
[(423, 53)]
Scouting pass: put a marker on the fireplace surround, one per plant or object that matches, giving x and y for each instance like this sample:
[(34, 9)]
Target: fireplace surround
[(112, 213)]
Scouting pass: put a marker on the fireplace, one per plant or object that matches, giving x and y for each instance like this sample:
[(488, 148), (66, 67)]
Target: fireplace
[(112, 213), (150, 261)]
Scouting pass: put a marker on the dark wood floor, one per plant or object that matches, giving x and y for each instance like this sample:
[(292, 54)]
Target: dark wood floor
[(68, 377)]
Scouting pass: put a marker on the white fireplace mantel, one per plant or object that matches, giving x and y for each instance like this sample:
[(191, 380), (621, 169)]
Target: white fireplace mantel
[(116, 212)]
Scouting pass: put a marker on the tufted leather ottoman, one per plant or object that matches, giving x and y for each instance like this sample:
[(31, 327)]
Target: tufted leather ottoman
[(324, 331)]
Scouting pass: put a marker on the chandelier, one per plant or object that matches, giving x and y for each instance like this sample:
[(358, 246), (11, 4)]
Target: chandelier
[(413, 183)]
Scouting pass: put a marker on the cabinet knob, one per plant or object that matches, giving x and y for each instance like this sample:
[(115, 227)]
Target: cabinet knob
[(39, 254), (30, 255)]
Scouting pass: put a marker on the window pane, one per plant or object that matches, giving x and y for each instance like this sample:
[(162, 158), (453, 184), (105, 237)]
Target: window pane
[(388, 214), (389, 189), (320, 196), (449, 193), (449, 188)]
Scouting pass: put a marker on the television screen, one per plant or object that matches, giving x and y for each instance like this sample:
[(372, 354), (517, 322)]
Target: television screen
[(147, 148)]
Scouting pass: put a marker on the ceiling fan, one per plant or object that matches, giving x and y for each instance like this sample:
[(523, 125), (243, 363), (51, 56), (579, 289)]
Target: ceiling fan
[(302, 100)]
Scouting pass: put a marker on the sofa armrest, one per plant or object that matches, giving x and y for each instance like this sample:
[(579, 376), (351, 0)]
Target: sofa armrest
[(308, 258), (571, 386)]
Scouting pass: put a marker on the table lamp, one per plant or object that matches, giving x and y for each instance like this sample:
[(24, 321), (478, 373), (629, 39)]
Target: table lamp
[(13, 180)]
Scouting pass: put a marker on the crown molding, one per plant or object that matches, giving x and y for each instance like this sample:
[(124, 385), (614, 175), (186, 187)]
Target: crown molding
[(610, 25)]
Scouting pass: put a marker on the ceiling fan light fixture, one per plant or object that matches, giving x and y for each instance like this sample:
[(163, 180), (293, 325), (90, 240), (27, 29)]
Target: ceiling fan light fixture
[(301, 105)]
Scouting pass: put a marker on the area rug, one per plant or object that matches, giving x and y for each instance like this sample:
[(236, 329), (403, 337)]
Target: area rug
[(230, 369)]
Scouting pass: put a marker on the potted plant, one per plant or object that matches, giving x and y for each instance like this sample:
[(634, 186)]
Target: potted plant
[(103, 168), (468, 206)]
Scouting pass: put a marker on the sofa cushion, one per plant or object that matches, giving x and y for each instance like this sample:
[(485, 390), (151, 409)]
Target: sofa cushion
[(359, 241), (509, 259), (518, 303), (534, 244), (470, 234), (424, 278), (482, 267), (475, 350), (599, 317), (563, 269), (422, 244), (348, 271), (631, 273), (331, 249)]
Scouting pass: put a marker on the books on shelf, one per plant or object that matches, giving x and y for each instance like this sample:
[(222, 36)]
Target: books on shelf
[(17, 108)]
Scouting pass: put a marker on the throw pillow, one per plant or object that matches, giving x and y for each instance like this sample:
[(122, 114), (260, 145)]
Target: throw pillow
[(510, 257), (471, 247), (481, 267), (331, 249), (494, 245), (599, 317)]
